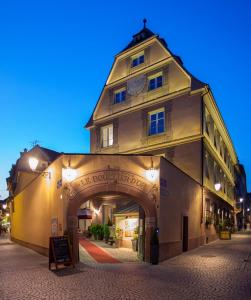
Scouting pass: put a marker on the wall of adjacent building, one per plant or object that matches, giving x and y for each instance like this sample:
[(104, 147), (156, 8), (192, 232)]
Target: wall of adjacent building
[(180, 196), (34, 206)]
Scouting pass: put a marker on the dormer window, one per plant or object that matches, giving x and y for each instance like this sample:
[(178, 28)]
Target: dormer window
[(119, 96), (138, 59), (155, 81)]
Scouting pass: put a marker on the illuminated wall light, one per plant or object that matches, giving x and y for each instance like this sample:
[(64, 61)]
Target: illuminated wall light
[(7, 215), (96, 211), (241, 200), (217, 186), (4, 206), (69, 174), (33, 163), (61, 196), (152, 173)]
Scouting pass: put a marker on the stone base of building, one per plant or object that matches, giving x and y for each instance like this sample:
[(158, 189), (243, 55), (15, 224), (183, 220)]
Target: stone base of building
[(210, 234), (171, 249), (39, 249)]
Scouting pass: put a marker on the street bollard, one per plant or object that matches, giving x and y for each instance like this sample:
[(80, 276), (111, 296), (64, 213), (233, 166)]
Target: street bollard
[(154, 254)]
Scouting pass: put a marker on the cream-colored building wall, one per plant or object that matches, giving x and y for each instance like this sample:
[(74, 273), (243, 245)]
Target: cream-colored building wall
[(156, 59), (187, 157), (154, 53), (34, 207), (182, 196), (23, 179), (183, 121)]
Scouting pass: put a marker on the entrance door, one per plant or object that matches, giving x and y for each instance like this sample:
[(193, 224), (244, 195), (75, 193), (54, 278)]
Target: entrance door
[(185, 234)]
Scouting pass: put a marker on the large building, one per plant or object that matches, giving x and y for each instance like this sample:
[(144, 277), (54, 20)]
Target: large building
[(161, 157), (151, 104)]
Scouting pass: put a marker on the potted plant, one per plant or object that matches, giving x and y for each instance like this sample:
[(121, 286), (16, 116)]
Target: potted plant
[(135, 239), (106, 232), (94, 232), (119, 236), (225, 229), (100, 232)]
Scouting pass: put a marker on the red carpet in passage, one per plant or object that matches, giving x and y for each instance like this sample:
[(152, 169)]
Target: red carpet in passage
[(97, 253)]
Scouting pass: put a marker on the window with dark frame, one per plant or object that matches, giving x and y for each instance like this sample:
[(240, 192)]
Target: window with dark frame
[(155, 82), (138, 60), (156, 122), (119, 96)]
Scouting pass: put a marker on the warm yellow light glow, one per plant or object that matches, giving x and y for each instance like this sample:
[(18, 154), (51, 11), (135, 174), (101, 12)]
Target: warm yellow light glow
[(217, 186), (33, 162), (69, 174), (4, 206), (7, 215), (96, 211), (152, 174)]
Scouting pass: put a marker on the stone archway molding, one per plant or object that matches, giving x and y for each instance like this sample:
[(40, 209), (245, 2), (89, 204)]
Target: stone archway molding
[(112, 181)]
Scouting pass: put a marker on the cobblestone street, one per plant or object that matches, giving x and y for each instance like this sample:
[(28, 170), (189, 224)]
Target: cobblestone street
[(220, 270)]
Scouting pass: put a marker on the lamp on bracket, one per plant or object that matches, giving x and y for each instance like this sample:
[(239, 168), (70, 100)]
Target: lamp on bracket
[(33, 163), (69, 174), (152, 173), (217, 186)]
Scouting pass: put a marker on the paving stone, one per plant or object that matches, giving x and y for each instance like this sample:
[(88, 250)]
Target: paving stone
[(220, 270)]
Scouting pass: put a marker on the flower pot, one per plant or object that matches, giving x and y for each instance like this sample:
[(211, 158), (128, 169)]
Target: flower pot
[(135, 245), (225, 235), (118, 243)]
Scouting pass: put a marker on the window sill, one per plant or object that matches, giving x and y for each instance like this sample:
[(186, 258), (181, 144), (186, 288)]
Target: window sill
[(136, 68), (156, 135), (155, 90)]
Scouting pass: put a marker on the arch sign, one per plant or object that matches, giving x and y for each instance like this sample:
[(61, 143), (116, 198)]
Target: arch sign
[(113, 177)]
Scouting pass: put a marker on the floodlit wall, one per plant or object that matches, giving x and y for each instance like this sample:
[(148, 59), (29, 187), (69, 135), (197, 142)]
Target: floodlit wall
[(180, 196), (34, 207)]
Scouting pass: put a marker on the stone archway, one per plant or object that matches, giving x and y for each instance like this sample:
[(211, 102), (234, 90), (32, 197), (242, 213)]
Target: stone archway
[(112, 181)]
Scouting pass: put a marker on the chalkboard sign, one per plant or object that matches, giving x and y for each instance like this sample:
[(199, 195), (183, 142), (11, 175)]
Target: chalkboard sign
[(60, 251)]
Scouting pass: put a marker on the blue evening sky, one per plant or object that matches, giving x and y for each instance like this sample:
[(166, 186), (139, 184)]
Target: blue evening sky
[(55, 57)]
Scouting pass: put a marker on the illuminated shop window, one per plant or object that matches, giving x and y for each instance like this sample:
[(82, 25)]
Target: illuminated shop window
[(155, 81), (120, 96), (156, 121), (107, 135), (138, 59)]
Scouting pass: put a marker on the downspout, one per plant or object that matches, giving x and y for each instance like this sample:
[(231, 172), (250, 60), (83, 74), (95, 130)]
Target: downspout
[(202, 151)]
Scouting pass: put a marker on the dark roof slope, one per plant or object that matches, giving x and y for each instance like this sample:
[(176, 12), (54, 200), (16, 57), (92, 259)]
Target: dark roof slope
[(139, 37)]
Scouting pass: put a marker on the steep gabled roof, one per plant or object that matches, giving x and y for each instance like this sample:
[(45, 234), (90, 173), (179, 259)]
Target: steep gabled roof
[(141, 37)]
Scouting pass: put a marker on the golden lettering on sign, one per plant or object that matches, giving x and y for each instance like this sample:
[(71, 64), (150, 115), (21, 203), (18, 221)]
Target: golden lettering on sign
[(111, 177)]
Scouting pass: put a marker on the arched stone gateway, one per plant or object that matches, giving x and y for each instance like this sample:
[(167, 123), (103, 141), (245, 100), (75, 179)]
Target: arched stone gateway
[(112, 181)]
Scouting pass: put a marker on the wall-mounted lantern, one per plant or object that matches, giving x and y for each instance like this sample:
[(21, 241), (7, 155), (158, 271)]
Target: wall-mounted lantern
[(217, 186), (33, 163), (152, 173), (69, 174)]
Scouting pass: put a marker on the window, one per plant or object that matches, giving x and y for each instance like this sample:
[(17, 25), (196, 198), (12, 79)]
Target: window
[(156, 122), (107, 135), (119, 96), (138, 59), (155, 82)]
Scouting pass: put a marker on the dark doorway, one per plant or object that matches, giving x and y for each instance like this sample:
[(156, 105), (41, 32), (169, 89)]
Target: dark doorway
[(185, 234)]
